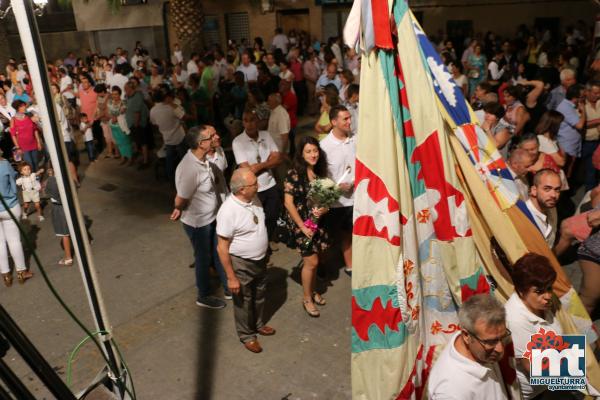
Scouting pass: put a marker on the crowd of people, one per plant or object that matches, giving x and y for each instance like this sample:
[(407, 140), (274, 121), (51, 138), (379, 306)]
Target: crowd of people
[(202, 120), (224, 125)]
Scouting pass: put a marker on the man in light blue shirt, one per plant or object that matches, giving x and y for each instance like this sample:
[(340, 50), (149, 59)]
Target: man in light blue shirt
[(569, 136), (557, 95), (330, 76)]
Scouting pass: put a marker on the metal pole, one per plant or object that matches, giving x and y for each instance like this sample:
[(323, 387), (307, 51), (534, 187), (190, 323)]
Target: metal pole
[(13, 383), (32, 46), (38, 364)]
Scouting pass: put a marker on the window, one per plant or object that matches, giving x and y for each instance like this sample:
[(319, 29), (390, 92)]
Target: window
[(238, 27), (210, 30)]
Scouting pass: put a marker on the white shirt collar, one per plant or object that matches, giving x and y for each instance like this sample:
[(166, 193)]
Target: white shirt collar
[(537, 213), (349, 139), (471, 367), (531, 317)]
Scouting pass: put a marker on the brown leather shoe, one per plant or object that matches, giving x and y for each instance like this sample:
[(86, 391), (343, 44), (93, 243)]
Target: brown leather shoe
[(253, 346), (266, 331)]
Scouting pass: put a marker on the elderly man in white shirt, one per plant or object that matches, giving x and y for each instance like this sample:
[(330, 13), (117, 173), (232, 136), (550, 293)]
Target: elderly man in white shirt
[(167, 116), (467, 368), (279, 122), (256, 150), (216, 154), (199, 194), (543, 197), (340, 148), (243, 244), (518, 164)]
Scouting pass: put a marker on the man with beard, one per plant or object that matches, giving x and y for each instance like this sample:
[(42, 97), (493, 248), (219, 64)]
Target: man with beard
[(543, 196), (468, 366)]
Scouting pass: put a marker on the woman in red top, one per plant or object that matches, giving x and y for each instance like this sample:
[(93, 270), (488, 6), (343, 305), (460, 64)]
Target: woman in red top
[(25, 135)]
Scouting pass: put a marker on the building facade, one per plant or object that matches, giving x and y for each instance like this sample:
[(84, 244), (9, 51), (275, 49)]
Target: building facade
[(93, 25)]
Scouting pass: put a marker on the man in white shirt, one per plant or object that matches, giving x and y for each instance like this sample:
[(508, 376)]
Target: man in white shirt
[(66, 86), (280, 41), (242, 247), (180, 76), (192, 65), (167, 116), (467, 368), (197, 201), (220, 66), (543, 196), (256, 150), (340, 148), (216, 154), (248, 69), (518, 164), (279, 122), (118, 79)]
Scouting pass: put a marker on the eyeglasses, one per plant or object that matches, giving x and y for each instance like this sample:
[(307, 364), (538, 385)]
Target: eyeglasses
[(208, 138), (491, 343), (252, 184)]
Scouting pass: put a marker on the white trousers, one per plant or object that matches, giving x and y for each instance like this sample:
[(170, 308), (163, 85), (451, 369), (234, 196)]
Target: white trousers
[(9, 233)]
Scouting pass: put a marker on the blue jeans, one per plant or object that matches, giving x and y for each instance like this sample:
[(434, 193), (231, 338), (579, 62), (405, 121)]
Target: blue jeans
[(89, 146), (174, 154), (587, 151), (204, 242), (31, 158)]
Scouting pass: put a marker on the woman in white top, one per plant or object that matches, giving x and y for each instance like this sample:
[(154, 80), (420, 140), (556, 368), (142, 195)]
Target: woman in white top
[(531, 307), (459, 78), (284, 71), (546, 131)]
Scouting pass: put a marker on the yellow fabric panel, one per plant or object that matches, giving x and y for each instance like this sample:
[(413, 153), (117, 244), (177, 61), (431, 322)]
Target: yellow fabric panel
[(389, 365)]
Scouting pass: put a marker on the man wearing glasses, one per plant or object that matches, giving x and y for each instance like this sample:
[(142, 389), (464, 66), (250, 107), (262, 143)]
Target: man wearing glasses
[(201, 190), (468, 367)]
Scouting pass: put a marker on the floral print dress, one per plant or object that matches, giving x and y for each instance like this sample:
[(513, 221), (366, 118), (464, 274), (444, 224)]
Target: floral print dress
[(297, 185)]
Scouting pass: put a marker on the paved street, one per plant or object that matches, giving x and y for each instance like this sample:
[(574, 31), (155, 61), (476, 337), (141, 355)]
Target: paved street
[(175, 349)]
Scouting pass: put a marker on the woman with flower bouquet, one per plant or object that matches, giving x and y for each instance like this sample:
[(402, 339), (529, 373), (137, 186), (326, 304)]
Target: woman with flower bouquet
[(308, 195)]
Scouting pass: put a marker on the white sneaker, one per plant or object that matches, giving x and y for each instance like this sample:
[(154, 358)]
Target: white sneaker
[(41, 218), (24, 216)]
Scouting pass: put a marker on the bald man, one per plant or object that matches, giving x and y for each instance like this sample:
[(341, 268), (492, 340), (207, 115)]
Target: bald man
[(242, 248)]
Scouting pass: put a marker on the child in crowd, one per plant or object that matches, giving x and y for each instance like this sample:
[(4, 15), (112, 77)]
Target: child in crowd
[(85, 126), (59, 220), (30, 185)]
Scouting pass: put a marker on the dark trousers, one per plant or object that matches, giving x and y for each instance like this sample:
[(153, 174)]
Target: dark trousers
[(271, 202), (301, 94), (174, 154), (98, 133), (249, 303), (590, 174), (204, 242)]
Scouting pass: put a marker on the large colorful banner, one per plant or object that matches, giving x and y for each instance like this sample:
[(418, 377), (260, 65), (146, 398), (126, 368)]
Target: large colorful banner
[(432, 195)]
